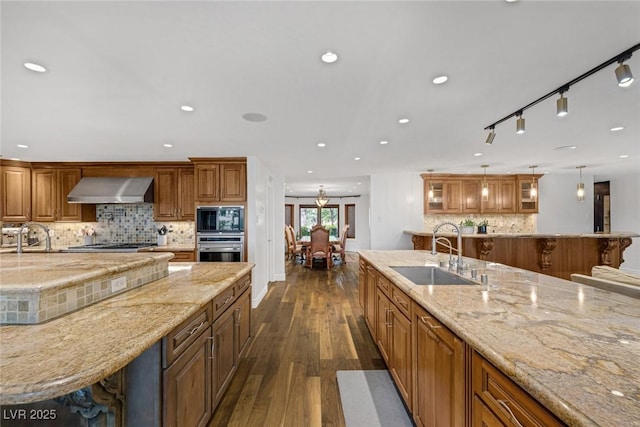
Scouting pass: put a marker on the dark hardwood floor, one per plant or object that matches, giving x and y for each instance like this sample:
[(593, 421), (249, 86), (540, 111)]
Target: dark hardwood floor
[(305, 329)]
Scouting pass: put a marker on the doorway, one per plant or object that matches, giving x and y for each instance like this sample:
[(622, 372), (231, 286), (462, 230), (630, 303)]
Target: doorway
[(601, 207)]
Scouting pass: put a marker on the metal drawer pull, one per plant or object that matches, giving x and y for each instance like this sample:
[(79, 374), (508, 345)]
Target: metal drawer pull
[(513, 417), (213, 347), (424, 319), (401, 302), (229, 298), (433, 326), (239, 316)]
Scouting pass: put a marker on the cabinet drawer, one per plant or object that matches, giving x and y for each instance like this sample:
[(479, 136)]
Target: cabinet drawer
[(384, 284), (401, 300), (223, 301), (183, 256), (506, 399), (187, 332), (243, 283)]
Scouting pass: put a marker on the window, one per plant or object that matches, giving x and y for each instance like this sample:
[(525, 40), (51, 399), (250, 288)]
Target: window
[(288, 215), (350, 218), (328, 215)]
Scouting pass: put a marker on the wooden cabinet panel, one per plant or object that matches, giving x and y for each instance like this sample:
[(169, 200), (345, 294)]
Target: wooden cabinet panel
[(453, 196), (233, 182), (400, 354), (502, 196), (224, 353), (471, 196), (440, 370), (482, 415), (177, 341), (527, 202), (509, 403), (15, 182), (383, 324), (371, 295), (165, 206), (186, 196), (67, 179), (187, 399), (207, 180), (362, 278), (243, 322), (49, 191)]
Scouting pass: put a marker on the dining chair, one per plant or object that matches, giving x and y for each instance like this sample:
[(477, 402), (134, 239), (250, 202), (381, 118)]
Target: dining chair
[(294, 250), (339, 249), (319, 246)]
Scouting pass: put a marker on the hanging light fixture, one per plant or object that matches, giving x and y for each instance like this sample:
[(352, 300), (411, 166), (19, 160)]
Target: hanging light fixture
[(562, 105), (485, 185), (623, 74), (430, 196), (520, 124), (321, 200), (491, 136), (580, 192), (533, 192)]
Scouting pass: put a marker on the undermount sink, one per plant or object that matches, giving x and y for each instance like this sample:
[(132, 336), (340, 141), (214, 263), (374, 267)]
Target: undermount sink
[(424, 275)]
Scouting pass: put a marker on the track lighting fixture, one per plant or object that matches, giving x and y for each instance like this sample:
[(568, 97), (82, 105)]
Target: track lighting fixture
[(490, 137), (562, 105), (580, 191), (623, 74), (520, 124), (533, 192), (485, 185), (430, 195)]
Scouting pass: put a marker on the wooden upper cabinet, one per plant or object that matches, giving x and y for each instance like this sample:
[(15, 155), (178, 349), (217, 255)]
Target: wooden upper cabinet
[(447, 196), (471, 196), (220, 181), (49, 191), (173, 194), (15, 182), (502, 196), (527, 202), (233, 182)]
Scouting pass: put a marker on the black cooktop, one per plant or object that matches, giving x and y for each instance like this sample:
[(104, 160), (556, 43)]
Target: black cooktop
[(128, 247)]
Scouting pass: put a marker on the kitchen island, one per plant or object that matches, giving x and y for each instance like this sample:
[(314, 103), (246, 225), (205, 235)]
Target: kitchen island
[(89, 345), (573, 348), (557, 255)]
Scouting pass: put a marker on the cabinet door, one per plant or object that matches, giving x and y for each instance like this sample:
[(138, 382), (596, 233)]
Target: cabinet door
[(482, 415), (383, 324), (165, 206), (224, 354), (370, 309), (207, 182), (242, 314), (527, 202), (44, 195), (233, 182), (400, 354), (471, 196), (187, 398), (67, 179), (435, 203), (453, 196), (186, 198), (440, 373), (16, 193), (508, 196), (492, 204), (362, 278)]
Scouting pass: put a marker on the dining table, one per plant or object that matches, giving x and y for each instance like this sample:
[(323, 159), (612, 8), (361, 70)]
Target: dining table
[(304, 241)]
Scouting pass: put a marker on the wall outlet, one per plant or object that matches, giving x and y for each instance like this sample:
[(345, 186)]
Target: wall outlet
[(118, 284)]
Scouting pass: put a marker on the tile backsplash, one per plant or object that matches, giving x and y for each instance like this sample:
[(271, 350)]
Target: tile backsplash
[(505, 223), (121, 223)]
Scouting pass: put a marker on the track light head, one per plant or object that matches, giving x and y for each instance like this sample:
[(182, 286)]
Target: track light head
[(520, 124), (623, 74), (491, 136), (562, 106)]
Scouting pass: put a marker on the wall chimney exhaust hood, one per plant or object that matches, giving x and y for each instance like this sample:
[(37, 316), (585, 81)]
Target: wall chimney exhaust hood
[(98, 190)]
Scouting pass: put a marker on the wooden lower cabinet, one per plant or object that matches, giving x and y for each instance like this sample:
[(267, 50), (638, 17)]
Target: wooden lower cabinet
[(439, 395), (370, 295), (362, 271), (225, 358), (482, 415)]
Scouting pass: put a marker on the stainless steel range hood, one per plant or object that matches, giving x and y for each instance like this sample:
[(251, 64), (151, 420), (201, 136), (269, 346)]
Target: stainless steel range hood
[(95, 190)]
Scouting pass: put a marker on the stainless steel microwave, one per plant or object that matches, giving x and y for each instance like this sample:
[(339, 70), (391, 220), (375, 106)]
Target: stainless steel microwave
[(220, 219)]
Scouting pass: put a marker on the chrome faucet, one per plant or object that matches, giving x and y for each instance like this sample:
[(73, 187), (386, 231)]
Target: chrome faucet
[(459, 241), (46, 231)]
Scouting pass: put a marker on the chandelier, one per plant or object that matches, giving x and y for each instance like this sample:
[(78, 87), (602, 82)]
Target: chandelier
[(321, 200)]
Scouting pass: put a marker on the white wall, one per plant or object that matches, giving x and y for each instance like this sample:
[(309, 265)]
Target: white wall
[(396, 205), (361, 241), (625, 214), (265, 193), (560, 211)]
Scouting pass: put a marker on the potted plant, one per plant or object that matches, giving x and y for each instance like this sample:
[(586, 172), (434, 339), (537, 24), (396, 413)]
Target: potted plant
[(467, 226), (482, 226)]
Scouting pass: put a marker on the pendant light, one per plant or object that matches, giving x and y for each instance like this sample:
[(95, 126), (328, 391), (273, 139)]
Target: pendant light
[(321, 200), (533, 193), (520, 124), (580, 192), (562, 105), (430, 185), (485, 185)]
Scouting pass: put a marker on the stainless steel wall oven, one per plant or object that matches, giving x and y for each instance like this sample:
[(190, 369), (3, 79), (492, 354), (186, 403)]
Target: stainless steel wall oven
[(225, 247), (220, 233)]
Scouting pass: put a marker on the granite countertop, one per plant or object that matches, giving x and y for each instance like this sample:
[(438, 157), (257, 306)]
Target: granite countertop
[(39, 362), (170, 248), (573, 347), (615, 235)]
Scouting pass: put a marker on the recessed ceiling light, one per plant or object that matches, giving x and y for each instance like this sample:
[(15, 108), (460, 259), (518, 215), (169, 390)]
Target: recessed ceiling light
[(624, 156), (254, 117), (403, 121), (329, 57), (167, 145), (188, 108), (22, 146), (477, 154), (616, 129), (321, 144), (309, 171), (440, 79), (14, 158), (565, 148), (384, 142), (35, 67), (356, 158)]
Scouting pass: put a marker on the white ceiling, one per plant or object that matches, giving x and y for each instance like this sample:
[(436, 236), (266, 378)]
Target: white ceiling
[(119, 71)]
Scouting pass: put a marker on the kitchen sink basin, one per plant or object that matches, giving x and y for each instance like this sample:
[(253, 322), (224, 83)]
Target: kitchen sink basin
[(424, 275)]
